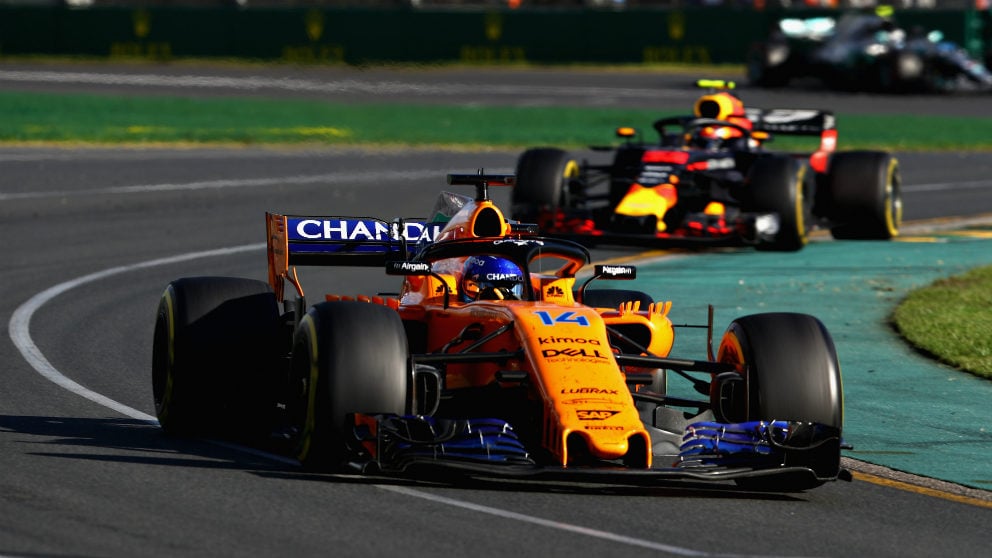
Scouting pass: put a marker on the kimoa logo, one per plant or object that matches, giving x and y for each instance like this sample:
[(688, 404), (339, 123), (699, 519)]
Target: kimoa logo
[(574, 340)]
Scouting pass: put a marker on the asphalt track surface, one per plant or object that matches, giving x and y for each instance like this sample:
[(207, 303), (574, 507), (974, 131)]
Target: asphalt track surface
[(91, 237)]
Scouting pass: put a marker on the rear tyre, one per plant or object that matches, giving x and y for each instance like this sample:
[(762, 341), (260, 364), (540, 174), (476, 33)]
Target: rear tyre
[(862, 191), (542, 183), (791, 372), (784, 186), (348, 357), (215, 356)]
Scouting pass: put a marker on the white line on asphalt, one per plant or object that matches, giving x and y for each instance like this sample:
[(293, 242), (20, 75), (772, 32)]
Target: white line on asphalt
[(334, 178), (20, 325)]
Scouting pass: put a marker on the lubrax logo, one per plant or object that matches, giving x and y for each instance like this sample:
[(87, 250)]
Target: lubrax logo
[(594, 415), (572, 352), (573, 340), (588, 391)]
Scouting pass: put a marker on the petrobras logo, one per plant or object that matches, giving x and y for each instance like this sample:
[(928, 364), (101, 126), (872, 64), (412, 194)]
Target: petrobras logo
[(371, 230)]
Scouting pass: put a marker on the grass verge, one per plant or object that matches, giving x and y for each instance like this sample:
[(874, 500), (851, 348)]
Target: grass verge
[(59, 118), (951, 320)]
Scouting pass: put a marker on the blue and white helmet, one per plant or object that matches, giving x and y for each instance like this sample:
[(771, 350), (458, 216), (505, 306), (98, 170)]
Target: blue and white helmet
[(491, 278)]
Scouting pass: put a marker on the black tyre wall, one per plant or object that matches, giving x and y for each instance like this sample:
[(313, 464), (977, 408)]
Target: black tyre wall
[(215, 355)]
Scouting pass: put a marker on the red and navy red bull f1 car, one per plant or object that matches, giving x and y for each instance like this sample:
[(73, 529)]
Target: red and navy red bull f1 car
[(492, 359), (712, 180)]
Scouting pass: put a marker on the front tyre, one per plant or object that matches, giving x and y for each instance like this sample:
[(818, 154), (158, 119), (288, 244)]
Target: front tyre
[(862, 195), (214, 356), (784, 186), (791, 373), (348, 357)]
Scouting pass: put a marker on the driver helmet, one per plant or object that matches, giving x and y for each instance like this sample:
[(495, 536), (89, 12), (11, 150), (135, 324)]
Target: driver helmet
[(719, 106), (491, 278)]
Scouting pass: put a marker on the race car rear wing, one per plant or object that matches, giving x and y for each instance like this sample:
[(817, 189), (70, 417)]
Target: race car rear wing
[(800, 122), (797, 122), (329, 241)]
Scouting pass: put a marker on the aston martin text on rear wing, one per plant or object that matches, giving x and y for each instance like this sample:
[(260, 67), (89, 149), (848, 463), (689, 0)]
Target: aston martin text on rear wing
[(799, 122), (354, 241)]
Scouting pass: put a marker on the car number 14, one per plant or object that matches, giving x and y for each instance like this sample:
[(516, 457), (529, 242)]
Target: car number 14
[(567, 317)]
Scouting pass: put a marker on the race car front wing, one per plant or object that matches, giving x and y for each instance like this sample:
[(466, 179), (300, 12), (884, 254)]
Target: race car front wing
[(490, 447)]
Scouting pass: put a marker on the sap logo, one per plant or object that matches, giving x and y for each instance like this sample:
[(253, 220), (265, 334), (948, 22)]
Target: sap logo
[(573, 340), (572, 352), (361, 229), (595, 415), (589, 390)]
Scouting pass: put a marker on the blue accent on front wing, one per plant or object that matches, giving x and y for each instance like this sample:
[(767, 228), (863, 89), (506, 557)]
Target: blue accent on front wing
[(402, 439), (708, 444)]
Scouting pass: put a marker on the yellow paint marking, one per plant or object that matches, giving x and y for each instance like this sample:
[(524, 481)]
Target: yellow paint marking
[(971, 234), (918, 239), (881, 481)]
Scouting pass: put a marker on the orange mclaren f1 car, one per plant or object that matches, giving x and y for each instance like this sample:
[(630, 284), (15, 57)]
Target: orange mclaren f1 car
[(712, 179), (492, 359)]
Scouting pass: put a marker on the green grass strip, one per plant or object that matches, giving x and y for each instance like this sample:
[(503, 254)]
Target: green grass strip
[(51, 117), (952, 320)]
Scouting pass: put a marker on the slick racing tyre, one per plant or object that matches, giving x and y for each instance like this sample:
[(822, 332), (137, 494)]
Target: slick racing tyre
[(784, 186), (348, 357), (214, 356), (791, 373), (542, 183), (862, 195)]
